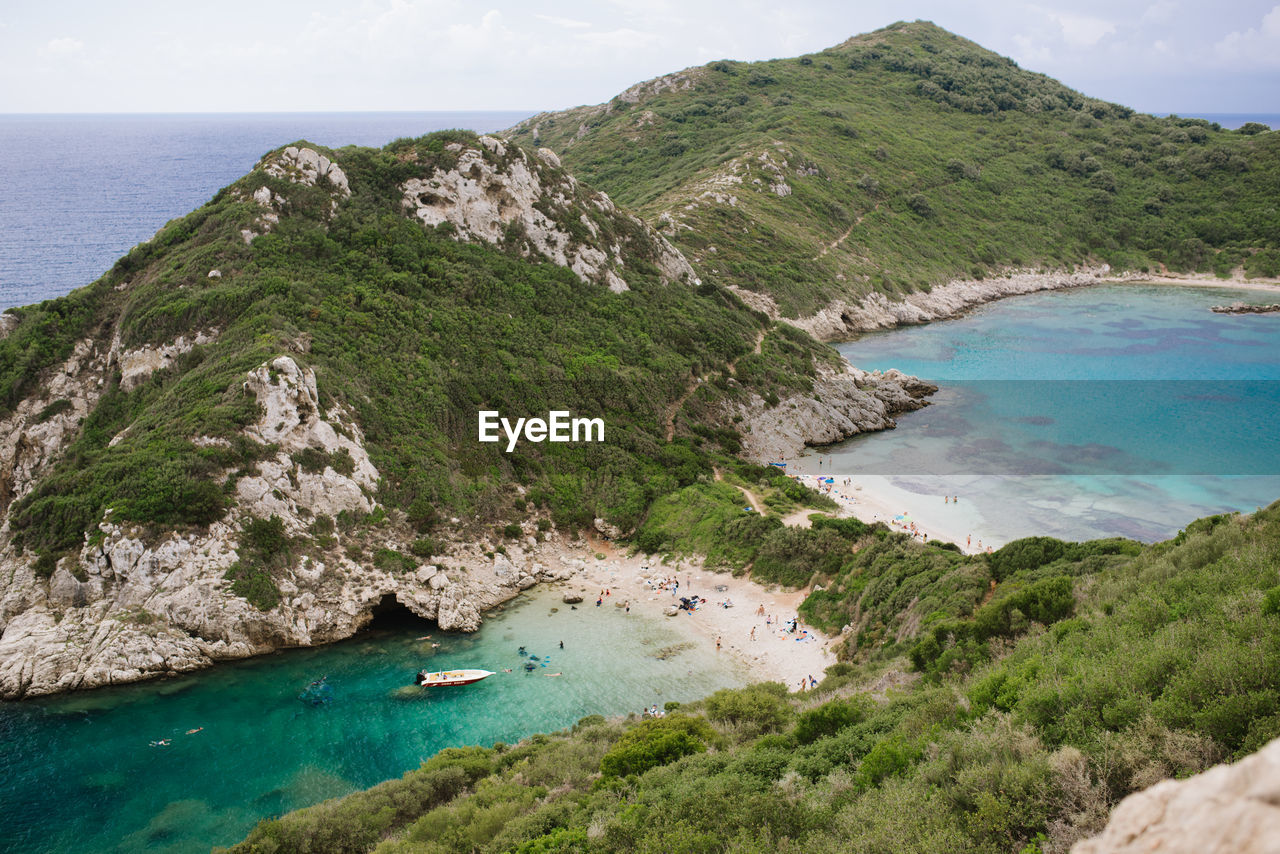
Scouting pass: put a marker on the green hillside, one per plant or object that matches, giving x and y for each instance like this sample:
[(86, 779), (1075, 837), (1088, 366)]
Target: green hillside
[(903, 158), (407, 328), (1045, 682)]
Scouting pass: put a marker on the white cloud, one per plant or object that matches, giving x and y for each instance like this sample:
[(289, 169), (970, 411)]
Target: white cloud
[(64, 46), (1254, 47), (1030, 52), (624, 38), (566, 23), (1082, 31), (1162, 12)]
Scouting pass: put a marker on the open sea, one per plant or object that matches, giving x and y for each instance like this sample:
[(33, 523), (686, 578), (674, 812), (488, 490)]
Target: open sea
[(79, 191), (1109, 410)]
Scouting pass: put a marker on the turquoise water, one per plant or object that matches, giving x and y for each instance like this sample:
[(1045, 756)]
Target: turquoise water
[(80, 774), (1112, 410)]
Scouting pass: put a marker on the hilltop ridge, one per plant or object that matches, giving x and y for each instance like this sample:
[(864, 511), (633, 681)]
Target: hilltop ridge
[(905, 158)]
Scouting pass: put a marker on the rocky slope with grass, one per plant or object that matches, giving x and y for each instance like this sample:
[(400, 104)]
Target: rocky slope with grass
[(260, 427), (852, 182)]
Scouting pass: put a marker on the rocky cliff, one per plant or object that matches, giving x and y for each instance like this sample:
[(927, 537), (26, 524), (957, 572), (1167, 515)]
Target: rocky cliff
[(132, 605), (844, 402), (1229, 809)]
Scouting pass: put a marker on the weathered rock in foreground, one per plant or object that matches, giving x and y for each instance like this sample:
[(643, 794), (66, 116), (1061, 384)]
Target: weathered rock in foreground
[(1229, 809)]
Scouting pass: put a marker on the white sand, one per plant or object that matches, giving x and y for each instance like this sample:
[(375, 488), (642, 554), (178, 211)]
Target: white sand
[(872, 498), (774, 655), (1200, 280)]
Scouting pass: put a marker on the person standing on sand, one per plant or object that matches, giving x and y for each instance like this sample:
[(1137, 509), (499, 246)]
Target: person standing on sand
[(753, 633), (717, 643)]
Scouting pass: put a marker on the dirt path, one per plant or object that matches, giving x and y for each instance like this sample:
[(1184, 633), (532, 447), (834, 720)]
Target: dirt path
[(674, 408), (827, 247)]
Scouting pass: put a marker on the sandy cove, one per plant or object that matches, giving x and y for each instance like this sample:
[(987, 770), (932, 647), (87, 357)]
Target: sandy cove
[(872, 498), (774, 655)]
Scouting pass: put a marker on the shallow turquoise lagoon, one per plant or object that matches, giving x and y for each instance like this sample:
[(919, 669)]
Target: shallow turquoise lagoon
[(80, 774), (1110, 410)]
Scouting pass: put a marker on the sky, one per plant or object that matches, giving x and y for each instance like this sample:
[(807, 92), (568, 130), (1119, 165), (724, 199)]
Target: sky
[(74, 56)]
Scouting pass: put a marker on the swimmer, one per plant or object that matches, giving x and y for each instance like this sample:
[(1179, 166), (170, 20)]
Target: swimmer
[(552, 674), (194, 731), (164, 742)]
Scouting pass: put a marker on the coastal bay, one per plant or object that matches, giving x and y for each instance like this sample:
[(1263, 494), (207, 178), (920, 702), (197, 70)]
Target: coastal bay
[(1119, 409)]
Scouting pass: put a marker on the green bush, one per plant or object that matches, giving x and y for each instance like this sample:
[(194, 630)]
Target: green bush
[(655, 742), (757, 708), (829, 718)]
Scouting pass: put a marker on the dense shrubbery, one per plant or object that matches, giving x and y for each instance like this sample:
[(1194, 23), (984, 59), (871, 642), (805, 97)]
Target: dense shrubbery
[(952, 160), (411, 332), (1170, 663)]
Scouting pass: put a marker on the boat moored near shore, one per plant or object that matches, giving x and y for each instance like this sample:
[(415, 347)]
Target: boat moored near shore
[(441, 678)]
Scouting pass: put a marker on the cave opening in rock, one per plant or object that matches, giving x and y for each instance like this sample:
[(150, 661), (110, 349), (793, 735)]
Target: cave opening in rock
[(391, 614)]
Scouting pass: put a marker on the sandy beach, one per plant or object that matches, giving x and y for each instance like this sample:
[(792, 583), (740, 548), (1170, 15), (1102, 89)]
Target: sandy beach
[(1199, 280), (873, 498), (773, 655)]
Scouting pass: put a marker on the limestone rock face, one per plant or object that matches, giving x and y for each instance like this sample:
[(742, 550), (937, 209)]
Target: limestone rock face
[(133, 606), (35, 434), (304, 166), (307, 166), (137, 365), (497, 193), (843, 403), (876, 311), (291, 419), (1229, 809)]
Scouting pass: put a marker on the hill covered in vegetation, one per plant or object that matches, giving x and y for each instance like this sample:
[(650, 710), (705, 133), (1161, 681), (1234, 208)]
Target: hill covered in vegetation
[(276, 400), (993, 703), (901, 159)]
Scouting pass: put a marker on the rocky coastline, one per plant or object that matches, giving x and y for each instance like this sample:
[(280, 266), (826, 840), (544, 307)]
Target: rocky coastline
[(844, 402), (842, 319), (1246, 308)]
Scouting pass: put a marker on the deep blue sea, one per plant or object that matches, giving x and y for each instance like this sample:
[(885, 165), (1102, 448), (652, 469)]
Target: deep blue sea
[(79, 191)]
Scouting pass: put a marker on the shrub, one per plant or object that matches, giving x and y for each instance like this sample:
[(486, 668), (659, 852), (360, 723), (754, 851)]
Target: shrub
[(756, 708), (655, 742), (829, 718), (56, 408), (390, 560)]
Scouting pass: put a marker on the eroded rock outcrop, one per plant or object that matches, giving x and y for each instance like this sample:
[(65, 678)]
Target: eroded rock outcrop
[(1229, 809), (39, 429), (304, 166), (841, 318), (130, 605), (843, 403), (496, 193)]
